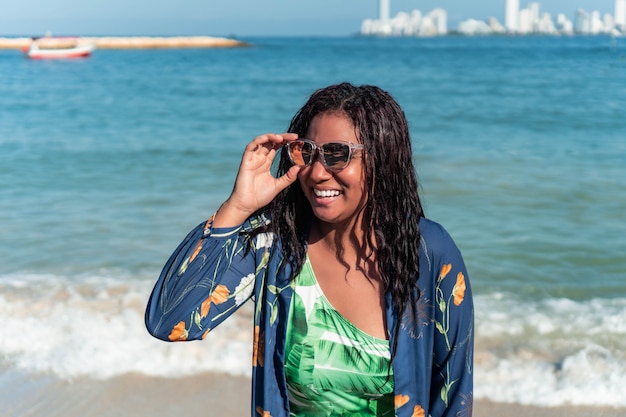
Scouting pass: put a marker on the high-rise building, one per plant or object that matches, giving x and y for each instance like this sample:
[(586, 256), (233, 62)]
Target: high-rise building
[(620, 14), (440, 21), (512, 15), (434, 23), (564, 25), (596, 23), (525, 24), (583, 22), (533, 9), (383, 11)]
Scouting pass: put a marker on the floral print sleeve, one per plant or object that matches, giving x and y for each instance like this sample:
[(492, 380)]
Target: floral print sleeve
[(209, 276), (453, 338)]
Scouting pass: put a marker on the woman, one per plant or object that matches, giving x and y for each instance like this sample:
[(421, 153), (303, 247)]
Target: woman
[(362, 305)]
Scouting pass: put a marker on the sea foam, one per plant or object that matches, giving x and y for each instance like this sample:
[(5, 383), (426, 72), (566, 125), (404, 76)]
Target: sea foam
[(551, 351), (95, 328), (545, 352)]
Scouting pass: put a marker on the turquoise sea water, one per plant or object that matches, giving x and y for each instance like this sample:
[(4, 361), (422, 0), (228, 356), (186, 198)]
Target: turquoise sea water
[(520, 144)]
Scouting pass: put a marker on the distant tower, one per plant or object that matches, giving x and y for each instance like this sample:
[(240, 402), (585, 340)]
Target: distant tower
[(383, 11), (620, 14), (512, 15)]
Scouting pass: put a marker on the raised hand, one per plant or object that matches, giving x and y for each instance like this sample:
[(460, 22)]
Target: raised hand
[(255, 187)]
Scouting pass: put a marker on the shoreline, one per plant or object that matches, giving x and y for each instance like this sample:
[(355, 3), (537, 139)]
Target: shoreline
[(200, 395), (137, 42)]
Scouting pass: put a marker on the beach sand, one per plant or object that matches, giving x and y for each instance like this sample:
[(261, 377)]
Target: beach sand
[(133, 42), (198, 396)]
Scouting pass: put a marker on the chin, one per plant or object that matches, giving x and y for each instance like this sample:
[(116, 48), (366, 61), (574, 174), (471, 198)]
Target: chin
[(330, 219), (326, 217)]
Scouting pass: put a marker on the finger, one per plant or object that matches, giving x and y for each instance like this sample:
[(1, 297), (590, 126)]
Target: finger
[(269, 143), (262, 143), (265, 142), (282, 137), (289, 177), (259, 140), (289, 136)]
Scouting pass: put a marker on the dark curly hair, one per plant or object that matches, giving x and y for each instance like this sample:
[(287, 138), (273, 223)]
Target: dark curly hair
[(391, 215)]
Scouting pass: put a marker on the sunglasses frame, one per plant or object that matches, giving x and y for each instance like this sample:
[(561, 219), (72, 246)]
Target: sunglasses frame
[(318, 152)]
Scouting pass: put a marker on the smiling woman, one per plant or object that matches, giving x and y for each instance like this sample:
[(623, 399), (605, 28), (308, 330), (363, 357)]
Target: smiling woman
[(347, 274)]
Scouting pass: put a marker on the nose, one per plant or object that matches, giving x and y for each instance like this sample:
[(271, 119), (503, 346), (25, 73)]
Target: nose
[(318, 169)]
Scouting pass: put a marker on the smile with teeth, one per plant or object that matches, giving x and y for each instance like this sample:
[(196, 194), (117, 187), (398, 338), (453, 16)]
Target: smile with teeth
[(326, 193)]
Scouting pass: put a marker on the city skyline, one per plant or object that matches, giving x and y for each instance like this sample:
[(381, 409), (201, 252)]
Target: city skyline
[(518, 20), (530, 20)]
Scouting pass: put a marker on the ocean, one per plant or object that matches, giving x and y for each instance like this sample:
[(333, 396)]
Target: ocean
[(520, 144)]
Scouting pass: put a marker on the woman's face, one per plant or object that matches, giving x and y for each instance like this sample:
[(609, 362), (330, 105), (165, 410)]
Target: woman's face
[(335, 196)]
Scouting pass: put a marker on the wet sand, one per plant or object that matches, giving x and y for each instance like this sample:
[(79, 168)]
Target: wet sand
[(197, 396)]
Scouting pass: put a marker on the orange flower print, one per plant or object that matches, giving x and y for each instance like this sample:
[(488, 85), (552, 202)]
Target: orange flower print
[(206, 332), (219, 295), (196, 251), (459, 289), (418, 411), (444, 271), (258, 347), (399, 400), (262, 412), (204, 307), (178, 333), (208, 224)]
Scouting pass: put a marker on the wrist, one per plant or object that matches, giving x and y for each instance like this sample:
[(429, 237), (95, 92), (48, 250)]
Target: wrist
[(230, 215)]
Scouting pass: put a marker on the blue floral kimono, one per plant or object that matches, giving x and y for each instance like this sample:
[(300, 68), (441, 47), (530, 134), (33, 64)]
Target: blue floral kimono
[(214, 271)]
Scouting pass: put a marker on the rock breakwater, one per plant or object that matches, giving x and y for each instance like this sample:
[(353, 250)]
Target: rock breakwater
[(135, 42)]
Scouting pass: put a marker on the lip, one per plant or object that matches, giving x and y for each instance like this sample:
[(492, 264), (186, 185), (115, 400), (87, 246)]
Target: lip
[(326, 193), (325, 196)]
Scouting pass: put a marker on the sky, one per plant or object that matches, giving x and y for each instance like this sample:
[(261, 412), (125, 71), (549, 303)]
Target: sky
[(240, 18)]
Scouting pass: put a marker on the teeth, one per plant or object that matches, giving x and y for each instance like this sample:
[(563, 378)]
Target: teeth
[(326, 193)]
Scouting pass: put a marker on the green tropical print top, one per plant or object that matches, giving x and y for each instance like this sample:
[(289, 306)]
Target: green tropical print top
[(332, 367)]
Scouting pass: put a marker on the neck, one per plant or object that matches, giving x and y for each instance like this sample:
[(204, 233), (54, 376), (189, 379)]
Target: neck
[(346, 241), (347, 245), (335, 235)]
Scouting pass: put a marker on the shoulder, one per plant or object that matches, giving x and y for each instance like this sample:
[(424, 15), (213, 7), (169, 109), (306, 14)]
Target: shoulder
[(434, 237), (436, 246)]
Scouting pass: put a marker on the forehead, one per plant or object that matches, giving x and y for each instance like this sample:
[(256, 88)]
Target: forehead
[(331, 127)]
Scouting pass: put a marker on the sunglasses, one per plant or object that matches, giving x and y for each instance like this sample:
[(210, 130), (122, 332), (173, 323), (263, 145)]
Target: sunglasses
[(335, 156)]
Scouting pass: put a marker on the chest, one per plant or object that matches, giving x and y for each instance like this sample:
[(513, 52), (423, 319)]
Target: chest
[(353, 290)]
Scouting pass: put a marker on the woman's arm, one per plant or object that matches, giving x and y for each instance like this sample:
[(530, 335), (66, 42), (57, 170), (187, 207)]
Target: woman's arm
[(206, 279), (211, 271)]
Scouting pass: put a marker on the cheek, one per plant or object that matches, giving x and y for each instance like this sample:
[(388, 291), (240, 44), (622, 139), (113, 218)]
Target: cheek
[(302, 176), (361, 184), (354, 176)]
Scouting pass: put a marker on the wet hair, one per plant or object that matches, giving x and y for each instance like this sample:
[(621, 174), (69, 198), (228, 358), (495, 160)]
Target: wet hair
[(393, 209)]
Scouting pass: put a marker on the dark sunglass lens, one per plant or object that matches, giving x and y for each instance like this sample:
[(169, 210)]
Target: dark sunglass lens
[(336, 155), (300, 152)]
